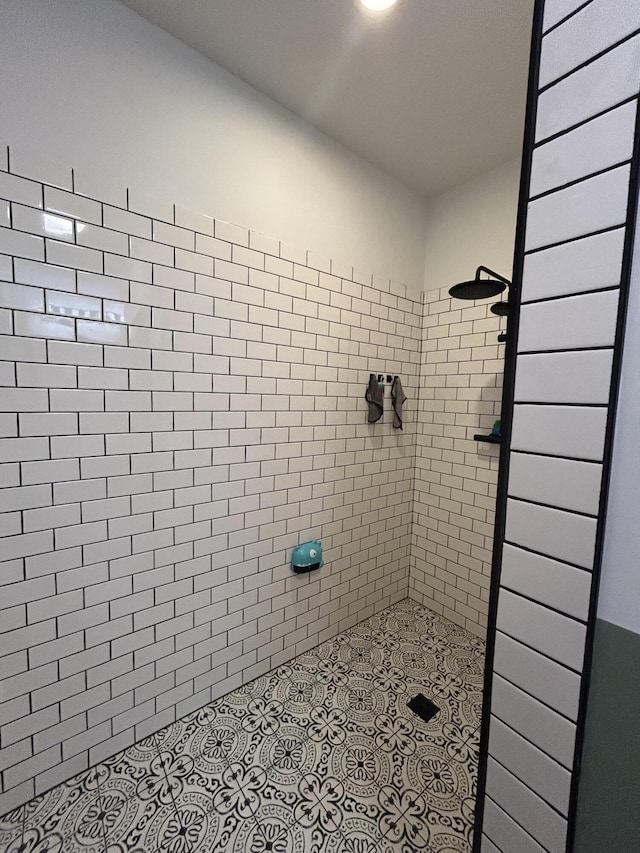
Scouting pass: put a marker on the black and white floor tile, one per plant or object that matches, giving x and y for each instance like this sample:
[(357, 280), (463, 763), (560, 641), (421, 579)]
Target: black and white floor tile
[(320, 756)]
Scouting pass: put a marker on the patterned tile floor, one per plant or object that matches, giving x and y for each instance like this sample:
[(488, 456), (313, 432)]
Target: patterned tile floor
[(321, 755)]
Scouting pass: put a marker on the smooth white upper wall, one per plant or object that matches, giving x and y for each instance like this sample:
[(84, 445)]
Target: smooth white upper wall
[(472, 225), (619, 594), (94, 85)]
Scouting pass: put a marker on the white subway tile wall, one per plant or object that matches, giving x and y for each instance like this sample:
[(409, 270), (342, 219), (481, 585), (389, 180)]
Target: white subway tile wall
[(456, 477), (530, 811), (574, 241), (600, 85), (506, 831), (532, 765), (592, 147), (601, 24), (183, 403), (556, 10), (553, 733)]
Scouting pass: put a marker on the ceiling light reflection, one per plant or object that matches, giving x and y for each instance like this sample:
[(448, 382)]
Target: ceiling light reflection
[(377, 5)]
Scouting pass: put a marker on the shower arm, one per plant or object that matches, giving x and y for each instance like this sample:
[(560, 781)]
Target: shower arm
[(492, 274)]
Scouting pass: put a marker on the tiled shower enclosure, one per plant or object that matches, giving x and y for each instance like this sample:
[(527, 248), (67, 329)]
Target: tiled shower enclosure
[(189, 408), (321, 756), (182, 404)]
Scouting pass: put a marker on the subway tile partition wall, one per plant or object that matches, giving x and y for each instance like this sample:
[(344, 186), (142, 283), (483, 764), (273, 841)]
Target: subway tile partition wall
[(575, 273), (182, 403), (455, 492)]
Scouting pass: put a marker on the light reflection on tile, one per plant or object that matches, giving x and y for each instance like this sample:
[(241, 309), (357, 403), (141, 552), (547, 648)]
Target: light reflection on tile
[(68, 204), (101, 333), (125, 312), (72, 305), (42, 223), (44, 326)]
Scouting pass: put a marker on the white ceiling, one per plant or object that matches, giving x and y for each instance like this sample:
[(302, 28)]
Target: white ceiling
[(433, 91)]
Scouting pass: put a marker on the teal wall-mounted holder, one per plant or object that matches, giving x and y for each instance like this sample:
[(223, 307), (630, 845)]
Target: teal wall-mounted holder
[(307, 557)]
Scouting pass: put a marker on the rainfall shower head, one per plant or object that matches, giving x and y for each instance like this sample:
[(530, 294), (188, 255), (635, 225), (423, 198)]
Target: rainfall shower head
[(501, 309), (480, 288), (477, 289)]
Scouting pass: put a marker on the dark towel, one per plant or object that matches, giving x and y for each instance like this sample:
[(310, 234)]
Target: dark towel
[(373, 397), (398, 399)]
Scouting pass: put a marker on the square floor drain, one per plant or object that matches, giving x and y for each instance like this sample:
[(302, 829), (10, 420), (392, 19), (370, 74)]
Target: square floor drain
[(423, 707)]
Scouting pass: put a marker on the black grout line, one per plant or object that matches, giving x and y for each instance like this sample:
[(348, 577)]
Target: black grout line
[(562, 350), (559, 456), (571, 295), (535, 698), (609, 49), (549, 607), (510, 817), (529, 788), (526, 402), (566, 18), (533, 743), (567, 511), (581, 180), (560, 133), (544, 655), (606, 230)]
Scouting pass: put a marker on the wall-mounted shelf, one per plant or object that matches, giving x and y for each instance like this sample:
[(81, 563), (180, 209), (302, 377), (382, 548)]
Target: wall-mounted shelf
[(488, 439)]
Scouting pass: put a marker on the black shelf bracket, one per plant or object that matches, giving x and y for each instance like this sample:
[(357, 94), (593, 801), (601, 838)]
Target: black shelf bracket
[(488, 439)]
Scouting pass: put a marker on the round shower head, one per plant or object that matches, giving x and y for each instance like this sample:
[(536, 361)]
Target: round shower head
[(478, 288), (500, 308)]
